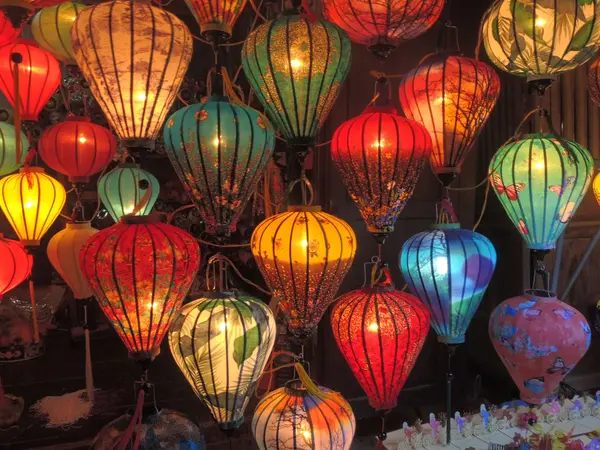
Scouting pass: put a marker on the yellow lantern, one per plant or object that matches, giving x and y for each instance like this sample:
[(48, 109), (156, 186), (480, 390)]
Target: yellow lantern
[(596, 187), (134, 57), (31, 200)]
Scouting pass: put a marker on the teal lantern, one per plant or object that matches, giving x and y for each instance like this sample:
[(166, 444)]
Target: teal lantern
[(219, 150), (540, 180), (127, 189), (8, 149)]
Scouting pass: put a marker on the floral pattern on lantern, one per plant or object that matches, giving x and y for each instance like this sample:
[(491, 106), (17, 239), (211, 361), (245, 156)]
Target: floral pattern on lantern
[(16, 264), (9, 32), (8, 149), (216, 15)]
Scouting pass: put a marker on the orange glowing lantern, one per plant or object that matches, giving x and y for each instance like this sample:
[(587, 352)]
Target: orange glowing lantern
[(16, 264), (216, 17)]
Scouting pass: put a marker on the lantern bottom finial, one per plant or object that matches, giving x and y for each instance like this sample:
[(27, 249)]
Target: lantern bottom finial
[(451, 340), (139, 144), (538, 84), (382, 51)]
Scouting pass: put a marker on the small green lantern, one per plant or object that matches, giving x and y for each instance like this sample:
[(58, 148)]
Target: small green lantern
[(297, 66), (126, 188), (8, 149)]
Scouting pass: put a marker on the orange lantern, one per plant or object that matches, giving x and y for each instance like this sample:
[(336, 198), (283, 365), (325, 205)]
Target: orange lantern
[(216, 17), (16, 264), (9, 30)]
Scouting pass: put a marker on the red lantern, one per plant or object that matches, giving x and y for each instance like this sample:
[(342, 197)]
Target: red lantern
[(16, 264), (77, 148), (140, 271), (38, 72), (8, 31)]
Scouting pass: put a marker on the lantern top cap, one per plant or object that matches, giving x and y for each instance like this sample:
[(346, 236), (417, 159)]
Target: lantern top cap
[(74, 118), (128, 165), (540, 293), (380, 109), (302, 208), (33, 169), (445, 226), (216, 98), (140, 220), (78, 225), (296, 388)]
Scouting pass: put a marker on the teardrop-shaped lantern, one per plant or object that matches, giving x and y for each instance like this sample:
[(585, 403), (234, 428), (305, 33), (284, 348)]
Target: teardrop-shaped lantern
[(140, 270), (16, 264), (380, 156), (63, 252), (297, 66), (8, 149), (31, 200), (452, 97), (216, 17), (9, 29), (126, 187), (540, 180), (222, 342), (448, 268), (134, 57)]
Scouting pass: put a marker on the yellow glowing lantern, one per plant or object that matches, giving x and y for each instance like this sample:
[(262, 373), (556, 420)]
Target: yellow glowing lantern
[(596, 187)]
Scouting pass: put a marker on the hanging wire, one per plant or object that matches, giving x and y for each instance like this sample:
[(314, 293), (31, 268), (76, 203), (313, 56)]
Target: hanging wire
[(220, 258)]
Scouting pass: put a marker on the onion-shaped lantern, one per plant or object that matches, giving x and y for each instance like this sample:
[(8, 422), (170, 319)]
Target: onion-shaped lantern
[(216, 17), (9, 160), (297, 66), (77, 148), (452, 97), (126, 188), (140, 270), (16, 264), (449, 269), (9, 30), (219, 150), (222, 342), (31, 200), (303, 255), (134, 57), (380, 156)]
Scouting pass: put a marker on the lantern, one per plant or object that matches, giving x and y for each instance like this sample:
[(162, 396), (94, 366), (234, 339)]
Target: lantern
[(216, 17), (219, 150), (44, 3), (16, 264), (63, 252), (8, 149), (449, 269), (134, 56), (126, 187), (77, 148), (303, 255), (140, 270), (452, 97), (540, 181), (51, 29), (297, 66), (31, 200), (594, 80), (9, 31), (380, 155), (539, 339), (596, 188), (39, 77), (383, 25), (222, 342)]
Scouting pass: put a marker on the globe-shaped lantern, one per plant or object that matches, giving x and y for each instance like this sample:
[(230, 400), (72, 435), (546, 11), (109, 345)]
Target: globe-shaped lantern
[(222, 342), (539, 339), (219, 150), (126, 188), (216, 17), (140, 270), (540, 181), (31, 200), (16, 264), (452, 97), (134, 57), (77, 148), (9, 30), (303, 255), (297, 66), (380, 156), (449, 269), (8, 149)]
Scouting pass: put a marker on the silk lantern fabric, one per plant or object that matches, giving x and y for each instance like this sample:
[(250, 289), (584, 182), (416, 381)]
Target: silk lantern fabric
[(9, 32), (594, 80), (16, 264), (216, 16), (222, 342), (8, 149)]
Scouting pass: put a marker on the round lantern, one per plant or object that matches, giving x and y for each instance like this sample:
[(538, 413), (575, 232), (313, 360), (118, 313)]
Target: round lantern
[(297, 66), (140, 270), (380, 155), (51, 29), (383, 25), (77, 148), (222, 342), (540, 181), (452, 97), (31, 200), (219, 150), (539, 339), (134, 57), (303, 255), (39, 77), (63, 252), (216, 17), (449, 269), (9, 31), (126, 187), (16, 264), (8, 149)]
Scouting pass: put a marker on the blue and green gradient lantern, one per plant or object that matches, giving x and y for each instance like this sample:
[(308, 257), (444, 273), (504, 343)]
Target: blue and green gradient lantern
[(448, 268), (540, 181)]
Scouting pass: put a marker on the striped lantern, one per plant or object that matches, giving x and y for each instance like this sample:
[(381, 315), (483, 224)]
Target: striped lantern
[(8, 149), (16, 264), (216, 17)]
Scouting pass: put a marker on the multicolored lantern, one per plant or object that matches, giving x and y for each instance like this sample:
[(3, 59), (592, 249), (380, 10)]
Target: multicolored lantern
[(222, 342), (380, 155), (449, 269), (9, 31), (297, 66), (303, 255), (539, 339), (452, 97), (540, 180), (219, 150), (134, 57), (16, 264), (8, 149), (140, 270), (216, 17)]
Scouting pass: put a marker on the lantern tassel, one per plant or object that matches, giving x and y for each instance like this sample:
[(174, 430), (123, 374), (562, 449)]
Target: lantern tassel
[(310, 385), (136, 421), (229, 88), (143, 201), (89, 376), (34, 316)]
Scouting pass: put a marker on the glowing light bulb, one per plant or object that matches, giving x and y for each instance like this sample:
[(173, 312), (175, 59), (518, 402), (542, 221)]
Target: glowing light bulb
[(141, 97), (440, 100), (216, 142), (539, 22), (151, 305), (29, 204), (295, 63), (304, 243), (306, 434), (373, 327), (378, 144), (223, 326), (73, 18), (539, 165), (129, 209), (82, 139), (440, 265)]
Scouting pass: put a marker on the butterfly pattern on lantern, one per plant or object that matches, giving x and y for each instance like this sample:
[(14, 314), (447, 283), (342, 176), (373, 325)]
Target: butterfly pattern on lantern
[(511, 191)]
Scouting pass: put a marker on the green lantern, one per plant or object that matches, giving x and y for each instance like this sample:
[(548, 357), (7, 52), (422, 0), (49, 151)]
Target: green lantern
[(297, 66), (540, 180), (8, 149), (128, 189)]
